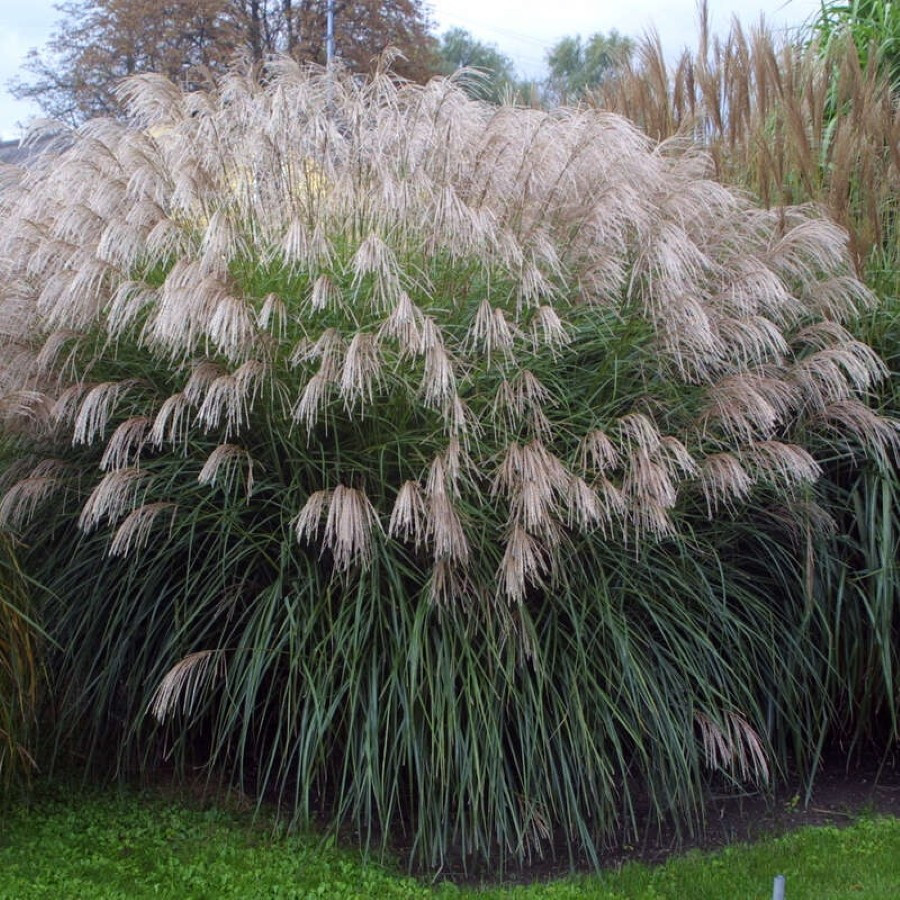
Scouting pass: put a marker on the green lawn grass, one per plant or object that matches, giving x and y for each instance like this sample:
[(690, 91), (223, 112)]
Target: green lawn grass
[(73, 844)]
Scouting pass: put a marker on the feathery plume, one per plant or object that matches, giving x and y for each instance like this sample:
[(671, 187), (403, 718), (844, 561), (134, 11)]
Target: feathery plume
[(329, 348), (221, 242), (21, 500), (649, 492), (836, 373), (638, 431), (272, 312), (134, 531), (524, 564), (184, 684), (548, 329), (294, 245), (113, 496), (439, 379), (376, 259), (224, 400), (491, 333), (127, 304), (445, 530), (230, 327), (325, 294), (350, 520), (362, 367), (749, 405), (586, 509), (95, 410), (724, 481), (124, 446), (46, 359), (349, 527), (172, 422), (312, 401), (307, 521), (203, 374), (732, 745), (408, 522), (404, 325), (223, 465), (597, 453), (852, 419), (32, 407), (675, 458), (785, 464), (537, 483), (68, 402)]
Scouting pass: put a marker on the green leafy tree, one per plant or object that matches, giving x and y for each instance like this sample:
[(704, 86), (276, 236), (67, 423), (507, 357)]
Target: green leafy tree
[(98, 43), (460, 49), (578, 65)]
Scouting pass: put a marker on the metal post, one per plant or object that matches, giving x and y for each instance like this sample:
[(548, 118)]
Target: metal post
[(329, 33), (778, 888)]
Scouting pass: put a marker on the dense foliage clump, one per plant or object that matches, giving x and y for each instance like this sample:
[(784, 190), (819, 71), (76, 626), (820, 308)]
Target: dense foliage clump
[(446, 467), (19, 670)]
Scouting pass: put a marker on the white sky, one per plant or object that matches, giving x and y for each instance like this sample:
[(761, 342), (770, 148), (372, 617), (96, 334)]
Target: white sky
[(523, 29)]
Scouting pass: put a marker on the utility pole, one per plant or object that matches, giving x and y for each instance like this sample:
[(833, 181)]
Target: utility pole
[(329, 33)]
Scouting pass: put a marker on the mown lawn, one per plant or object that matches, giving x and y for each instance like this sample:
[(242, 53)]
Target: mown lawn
[(72, 844)]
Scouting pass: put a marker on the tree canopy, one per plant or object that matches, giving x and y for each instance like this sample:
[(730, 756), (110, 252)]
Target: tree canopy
[(460, 49), (98, 42), (578, 65)]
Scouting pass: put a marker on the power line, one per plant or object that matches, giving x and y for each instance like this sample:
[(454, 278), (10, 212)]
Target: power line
[(522, 59), (502, 32)]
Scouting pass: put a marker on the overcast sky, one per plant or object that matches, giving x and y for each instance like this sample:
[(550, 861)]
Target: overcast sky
[(523, 29)]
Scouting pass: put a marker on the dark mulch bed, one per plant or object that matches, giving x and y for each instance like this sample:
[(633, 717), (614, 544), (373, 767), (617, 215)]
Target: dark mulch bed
[(843, 790)]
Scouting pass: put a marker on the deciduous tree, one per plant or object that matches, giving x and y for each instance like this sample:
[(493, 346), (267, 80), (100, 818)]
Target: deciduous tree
[(459, 49), (98, 42), (578, 65)]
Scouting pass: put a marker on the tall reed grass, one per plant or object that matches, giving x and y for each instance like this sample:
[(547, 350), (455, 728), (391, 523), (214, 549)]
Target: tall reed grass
[(445, 468), (793, 123)]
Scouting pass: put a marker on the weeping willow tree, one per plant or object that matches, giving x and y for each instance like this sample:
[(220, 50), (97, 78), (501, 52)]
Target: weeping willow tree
[(446, 468)]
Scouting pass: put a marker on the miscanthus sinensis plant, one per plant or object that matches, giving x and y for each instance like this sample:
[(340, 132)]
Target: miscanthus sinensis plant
[(436, 464)]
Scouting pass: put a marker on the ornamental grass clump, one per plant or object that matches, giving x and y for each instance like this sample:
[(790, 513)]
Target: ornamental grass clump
[(433, 464)]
